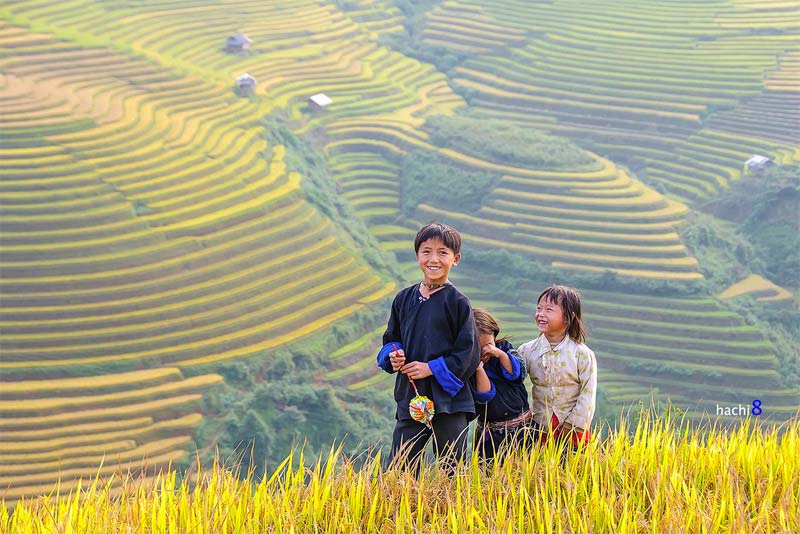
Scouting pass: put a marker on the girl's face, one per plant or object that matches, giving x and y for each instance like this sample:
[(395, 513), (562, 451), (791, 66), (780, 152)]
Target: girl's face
[(550, 320), (435, 260)]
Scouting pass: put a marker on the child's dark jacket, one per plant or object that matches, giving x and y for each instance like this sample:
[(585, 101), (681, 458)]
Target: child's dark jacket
[(508, 397), (441, 331)]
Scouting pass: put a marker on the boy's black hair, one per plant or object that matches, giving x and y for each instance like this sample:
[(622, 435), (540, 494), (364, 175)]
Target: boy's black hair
[(570, 301), (449, 236)]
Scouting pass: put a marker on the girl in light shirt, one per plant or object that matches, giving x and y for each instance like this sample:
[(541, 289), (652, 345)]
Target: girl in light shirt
[(562, 368)]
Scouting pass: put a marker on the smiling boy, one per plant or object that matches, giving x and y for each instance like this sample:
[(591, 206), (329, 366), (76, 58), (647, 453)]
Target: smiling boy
[(430, 338)]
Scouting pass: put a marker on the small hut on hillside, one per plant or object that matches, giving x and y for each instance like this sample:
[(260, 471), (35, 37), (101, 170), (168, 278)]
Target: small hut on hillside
[(245, 84), (237, 43), (319, 101), (758, 164)]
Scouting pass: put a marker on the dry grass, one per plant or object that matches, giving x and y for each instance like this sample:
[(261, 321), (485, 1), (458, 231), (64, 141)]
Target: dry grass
[(661, 476)]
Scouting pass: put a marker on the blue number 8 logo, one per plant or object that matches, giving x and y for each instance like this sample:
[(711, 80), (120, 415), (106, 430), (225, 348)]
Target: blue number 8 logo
[(756, 410)]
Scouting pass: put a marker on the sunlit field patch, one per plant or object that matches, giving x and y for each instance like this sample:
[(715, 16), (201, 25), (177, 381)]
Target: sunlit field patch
[(659, 475)]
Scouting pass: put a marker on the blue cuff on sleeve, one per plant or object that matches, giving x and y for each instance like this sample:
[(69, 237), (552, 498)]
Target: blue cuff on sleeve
[(383, 356), (485, 396), (516, 368), (449, 382)]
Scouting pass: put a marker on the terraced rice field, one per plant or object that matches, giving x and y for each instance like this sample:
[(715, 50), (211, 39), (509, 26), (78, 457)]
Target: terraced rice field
[(637, 79), (651, 86), (144, 225), (759, 288), (149, 230), (61, 429)]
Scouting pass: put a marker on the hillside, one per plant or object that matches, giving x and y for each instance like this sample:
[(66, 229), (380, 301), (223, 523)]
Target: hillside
[(186, 266)]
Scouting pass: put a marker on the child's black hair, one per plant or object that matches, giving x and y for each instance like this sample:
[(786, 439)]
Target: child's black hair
[(570, 301), (449, 236)]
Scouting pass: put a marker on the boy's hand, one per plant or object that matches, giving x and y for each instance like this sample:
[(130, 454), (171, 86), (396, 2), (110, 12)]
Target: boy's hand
[(397, 359), (416, 370)]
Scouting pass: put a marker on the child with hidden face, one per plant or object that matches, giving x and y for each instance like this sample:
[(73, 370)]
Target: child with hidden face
[(563, 370), (505, 422), (430, 342)]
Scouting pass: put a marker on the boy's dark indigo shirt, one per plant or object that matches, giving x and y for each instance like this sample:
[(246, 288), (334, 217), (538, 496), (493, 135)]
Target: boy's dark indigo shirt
[(441, 331), (508, 397)]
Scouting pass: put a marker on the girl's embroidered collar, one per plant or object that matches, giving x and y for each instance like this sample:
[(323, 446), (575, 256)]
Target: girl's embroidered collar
[(545, 343)]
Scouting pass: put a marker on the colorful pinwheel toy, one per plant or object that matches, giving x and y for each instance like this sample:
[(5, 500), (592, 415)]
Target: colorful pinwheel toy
[(421, 407)]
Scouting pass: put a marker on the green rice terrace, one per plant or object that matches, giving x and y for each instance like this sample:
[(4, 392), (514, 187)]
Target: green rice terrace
[(196, 260)]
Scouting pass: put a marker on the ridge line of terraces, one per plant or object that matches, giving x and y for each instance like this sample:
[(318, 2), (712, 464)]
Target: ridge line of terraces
[(30, 388), (211, 345), (595, 184), (634, 273), (556, 230), (674, 267), (31, 406), (646, 199), (79, 429), (116, 485), (674, 270), (250, 278), (86, 463), (89, 464), (201, 255), (489, 91), (693, 373), (606, 316), (671, 211), (602, 58), (168, 221), (606, 170), (562, 69), (202, 319), (624, 250), (283, 225), (657, 106), (193, 312), (505, 73), (33, 422), (554, 119), (185, 422), (736, 358), (142, 455), (181, 309), (529, 221), (146, 155), (348, 61)]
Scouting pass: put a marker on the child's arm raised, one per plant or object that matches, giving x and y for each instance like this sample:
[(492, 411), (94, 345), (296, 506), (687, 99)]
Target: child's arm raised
[(511, 363), (581, 415)]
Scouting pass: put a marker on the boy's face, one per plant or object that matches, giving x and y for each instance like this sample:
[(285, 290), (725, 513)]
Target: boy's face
[(550, 319), (435, 260)]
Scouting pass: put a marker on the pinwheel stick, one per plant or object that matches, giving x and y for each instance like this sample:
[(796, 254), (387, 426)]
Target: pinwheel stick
[(421, 407)]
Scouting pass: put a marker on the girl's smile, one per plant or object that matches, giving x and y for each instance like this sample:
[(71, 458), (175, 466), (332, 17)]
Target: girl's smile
[(549, 318)]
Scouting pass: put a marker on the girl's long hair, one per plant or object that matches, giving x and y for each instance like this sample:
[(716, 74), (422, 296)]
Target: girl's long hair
[(570, 301)]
